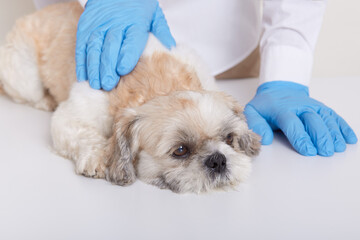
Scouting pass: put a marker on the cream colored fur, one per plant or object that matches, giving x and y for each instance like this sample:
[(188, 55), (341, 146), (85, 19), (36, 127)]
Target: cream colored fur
[(130, 131)]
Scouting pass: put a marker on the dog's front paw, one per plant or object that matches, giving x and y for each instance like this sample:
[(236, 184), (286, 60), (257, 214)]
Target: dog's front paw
[(91, 167), (47, 103)]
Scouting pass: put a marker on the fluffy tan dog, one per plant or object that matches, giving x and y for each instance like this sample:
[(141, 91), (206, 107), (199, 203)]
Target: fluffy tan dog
[(161, 124)]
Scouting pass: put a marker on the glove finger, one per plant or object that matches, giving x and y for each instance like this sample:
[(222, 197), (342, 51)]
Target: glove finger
[(133, 45), (82, 37), (330, 121), (160, 29), (318, 132), (295, 132), (259, 125), (108, 60), (93, 49), (80, 59), (347, 132)]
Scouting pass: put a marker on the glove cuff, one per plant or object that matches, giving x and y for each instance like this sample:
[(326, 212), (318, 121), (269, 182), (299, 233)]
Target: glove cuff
[(282, 86)]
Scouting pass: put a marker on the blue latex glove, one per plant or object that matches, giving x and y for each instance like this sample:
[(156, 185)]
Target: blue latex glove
[(310, 126), (111, 37)]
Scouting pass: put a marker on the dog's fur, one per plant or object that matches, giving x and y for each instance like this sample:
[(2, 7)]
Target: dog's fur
[(132, 131)]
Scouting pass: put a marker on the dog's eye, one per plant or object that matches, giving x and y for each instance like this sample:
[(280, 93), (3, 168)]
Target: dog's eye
[(182, 151), (229, 139)]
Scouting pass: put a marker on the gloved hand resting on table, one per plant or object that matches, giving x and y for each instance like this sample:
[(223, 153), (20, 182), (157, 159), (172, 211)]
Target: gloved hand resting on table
[(111, 37), (310, 126)]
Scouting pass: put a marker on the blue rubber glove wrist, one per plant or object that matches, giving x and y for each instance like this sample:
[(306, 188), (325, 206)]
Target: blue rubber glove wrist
[(111, 37), (310, 126)]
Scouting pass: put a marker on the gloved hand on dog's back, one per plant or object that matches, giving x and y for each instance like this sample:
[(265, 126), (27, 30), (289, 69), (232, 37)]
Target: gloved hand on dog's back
[(311, 127), (111, 37)]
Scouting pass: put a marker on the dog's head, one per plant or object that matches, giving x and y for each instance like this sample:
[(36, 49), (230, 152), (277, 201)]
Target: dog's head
[(186, 142)]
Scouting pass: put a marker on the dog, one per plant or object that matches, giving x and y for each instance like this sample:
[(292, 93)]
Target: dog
[(165, 123)]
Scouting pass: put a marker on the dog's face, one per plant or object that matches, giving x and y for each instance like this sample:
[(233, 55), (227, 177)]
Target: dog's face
[(186, 142)]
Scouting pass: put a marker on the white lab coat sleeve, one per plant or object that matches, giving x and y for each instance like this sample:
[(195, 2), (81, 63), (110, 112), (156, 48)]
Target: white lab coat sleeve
[(82, 2), (290, 31)]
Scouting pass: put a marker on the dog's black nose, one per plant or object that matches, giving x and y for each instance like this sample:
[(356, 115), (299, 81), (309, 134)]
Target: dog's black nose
[(216, 162)]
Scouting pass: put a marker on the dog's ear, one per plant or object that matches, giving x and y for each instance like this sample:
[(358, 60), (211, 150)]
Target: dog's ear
[(249, 142), (122, 149)]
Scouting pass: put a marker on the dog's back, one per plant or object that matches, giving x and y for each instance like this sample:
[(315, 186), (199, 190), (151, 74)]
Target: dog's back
[(36, 63)]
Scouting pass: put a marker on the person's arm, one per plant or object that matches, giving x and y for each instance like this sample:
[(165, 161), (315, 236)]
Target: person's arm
[(290, 31), (111, 37)]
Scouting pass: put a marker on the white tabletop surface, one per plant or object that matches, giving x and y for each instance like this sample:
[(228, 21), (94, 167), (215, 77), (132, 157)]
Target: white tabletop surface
[(288, 196)]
